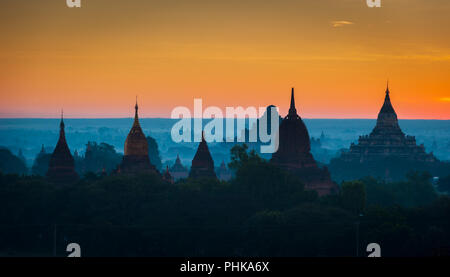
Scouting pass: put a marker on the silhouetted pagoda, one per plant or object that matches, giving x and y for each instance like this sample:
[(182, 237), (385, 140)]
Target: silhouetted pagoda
[(294, 154), (178, 171), (386, 152), (223, 173), (40, 164), (202, 164), (387, 139), (167, 177), (136, 159), (61, 167)]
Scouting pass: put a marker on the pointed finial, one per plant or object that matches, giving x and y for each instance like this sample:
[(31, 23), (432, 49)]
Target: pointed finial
[(387, 87), (292, 99), (136, 108), (292, 110), (61, 125), (203, 135)]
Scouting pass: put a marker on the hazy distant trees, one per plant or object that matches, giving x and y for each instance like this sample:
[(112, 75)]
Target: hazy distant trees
[(10, 163), (40, 164), (98, 158), (153, 153)]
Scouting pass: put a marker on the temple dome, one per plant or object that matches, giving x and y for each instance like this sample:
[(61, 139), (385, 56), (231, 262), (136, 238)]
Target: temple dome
[(294, 154), (294, 135)]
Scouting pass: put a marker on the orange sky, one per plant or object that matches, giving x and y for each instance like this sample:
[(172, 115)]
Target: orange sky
[(338, 54)]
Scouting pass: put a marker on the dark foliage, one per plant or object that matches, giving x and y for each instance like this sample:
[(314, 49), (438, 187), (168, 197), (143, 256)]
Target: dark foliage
[(10, 163), (264, 211), (153, 153), (444, 184)]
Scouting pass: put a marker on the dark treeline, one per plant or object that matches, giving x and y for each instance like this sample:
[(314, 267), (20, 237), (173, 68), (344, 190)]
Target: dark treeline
[(263, 211)]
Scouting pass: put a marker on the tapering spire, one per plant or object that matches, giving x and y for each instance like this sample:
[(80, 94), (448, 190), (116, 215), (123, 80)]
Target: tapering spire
[(62, 133), (202, 163), (61, 166), (292, 109), (136, 116), (387, 110), (61, 125), (387, 100), (136, 109)]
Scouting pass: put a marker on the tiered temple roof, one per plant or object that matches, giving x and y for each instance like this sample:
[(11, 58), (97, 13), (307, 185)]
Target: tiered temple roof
[(294, 154), (136, 159), (178, 171), (62, 166), (387, 140), (202, 164)]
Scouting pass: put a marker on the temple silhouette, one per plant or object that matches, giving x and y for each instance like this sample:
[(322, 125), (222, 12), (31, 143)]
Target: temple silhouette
[(294, 154), (386, 152), (387, 139), (178, 171), (167, 176), (136, 159), (202, 163), (61, 167), (223, 172)]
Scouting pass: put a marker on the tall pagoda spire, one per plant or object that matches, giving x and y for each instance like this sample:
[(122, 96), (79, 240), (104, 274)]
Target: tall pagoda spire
[(294, 153), (387, 117), (292, 109), (61, 124), (387, 98), (136, 124), (136, 159), (136, 108), (387, 105), (62, 166)]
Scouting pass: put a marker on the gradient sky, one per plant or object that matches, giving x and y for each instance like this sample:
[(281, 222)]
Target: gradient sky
[(338, 54)]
